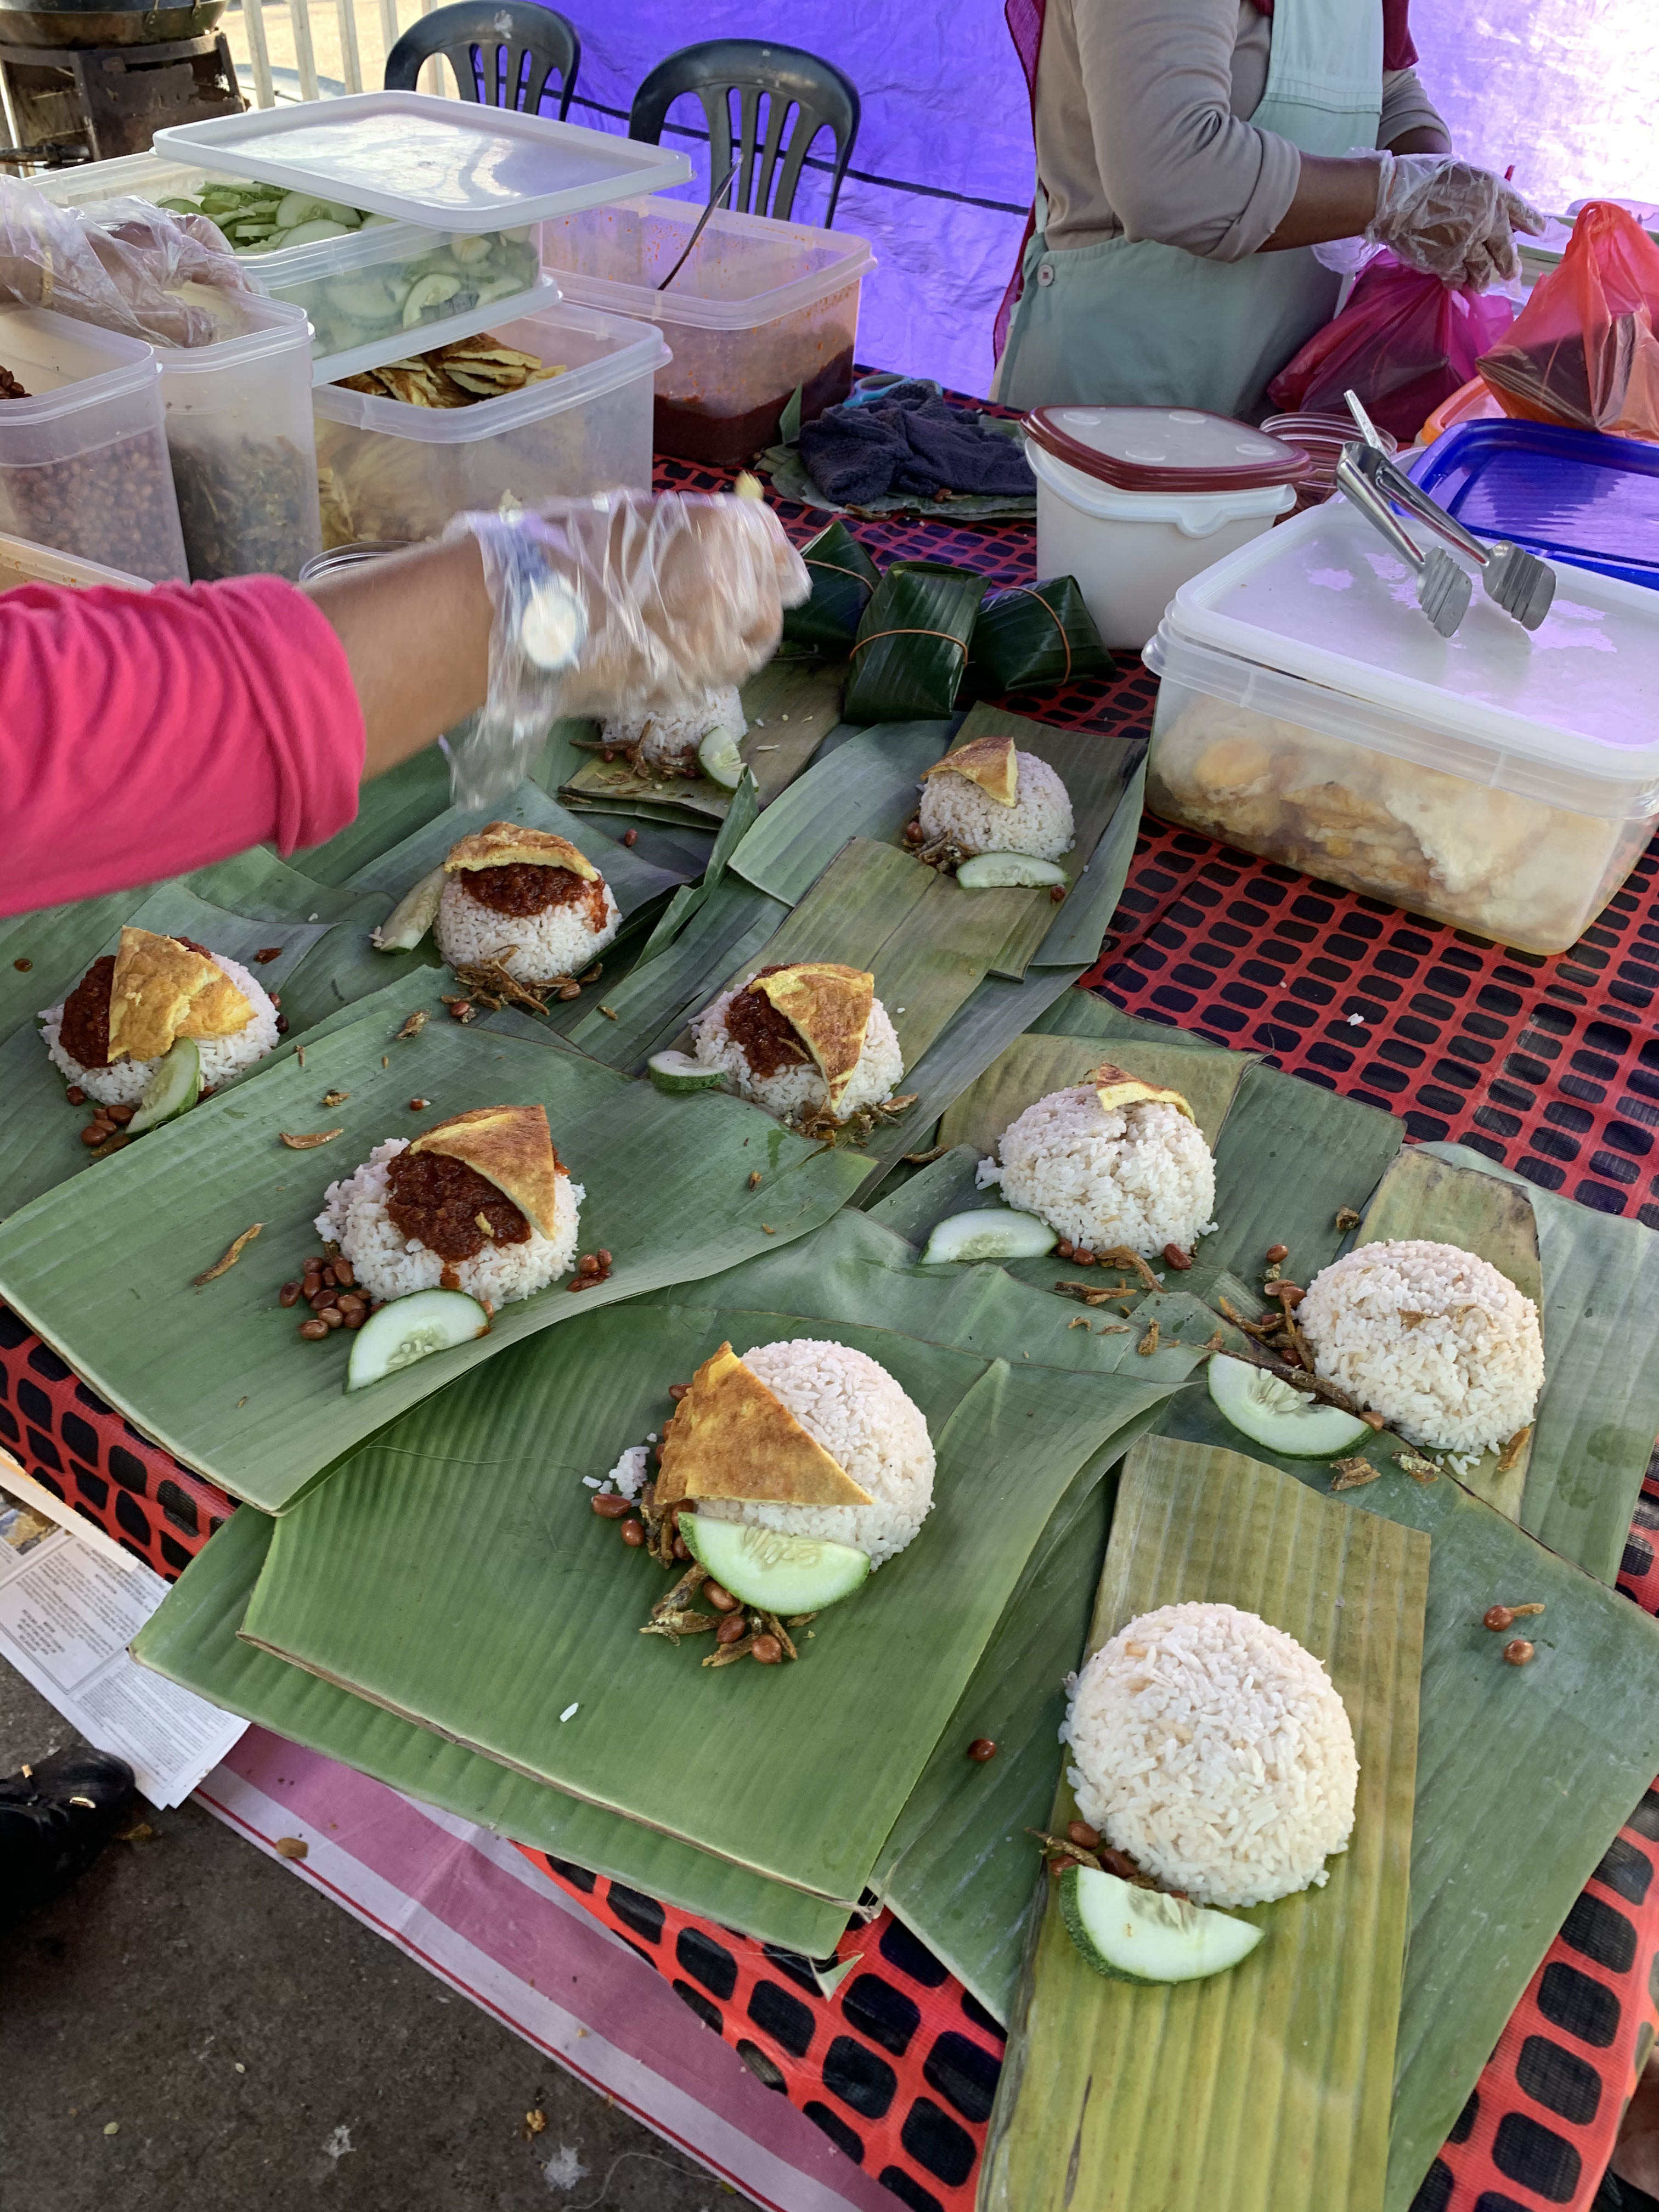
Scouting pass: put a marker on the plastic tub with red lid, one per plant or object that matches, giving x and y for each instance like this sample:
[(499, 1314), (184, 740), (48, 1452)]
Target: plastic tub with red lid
[(1135, 502)]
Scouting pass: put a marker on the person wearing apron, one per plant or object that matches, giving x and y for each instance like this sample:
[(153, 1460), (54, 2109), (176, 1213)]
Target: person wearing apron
[(1170, 260)]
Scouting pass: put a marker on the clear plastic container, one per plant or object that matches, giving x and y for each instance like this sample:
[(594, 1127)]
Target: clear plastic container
[(242, 443), (22, 563), (389, 471), (760, 309), (83, 460), (371, 294), (1502, 782)]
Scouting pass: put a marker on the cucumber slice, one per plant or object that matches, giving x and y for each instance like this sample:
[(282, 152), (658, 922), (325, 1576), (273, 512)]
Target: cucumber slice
[(677, 1072), (1274, 1413), (413, 915), (1132, 1935), (780, 1574), (434, 291), (313, 234), (996, 872), (995, 1233), (173, 1089), (407, 1329), (295, 207), (720, 759)]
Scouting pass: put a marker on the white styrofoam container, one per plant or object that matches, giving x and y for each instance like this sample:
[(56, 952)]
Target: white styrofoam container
[(1131, 551), (1501, 781), (451, 164), (398, 473)]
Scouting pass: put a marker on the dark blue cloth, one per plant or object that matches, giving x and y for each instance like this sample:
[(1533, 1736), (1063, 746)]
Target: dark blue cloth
[(907, 440)]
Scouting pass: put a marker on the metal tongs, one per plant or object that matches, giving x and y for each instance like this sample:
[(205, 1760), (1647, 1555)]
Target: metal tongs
[(1444, 590), (1515, 580)]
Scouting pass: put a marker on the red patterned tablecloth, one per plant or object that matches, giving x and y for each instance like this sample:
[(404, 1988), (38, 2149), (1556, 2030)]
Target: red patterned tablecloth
[(1548, 1065)]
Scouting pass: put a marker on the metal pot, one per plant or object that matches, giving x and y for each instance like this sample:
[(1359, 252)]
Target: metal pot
[(105, 23)]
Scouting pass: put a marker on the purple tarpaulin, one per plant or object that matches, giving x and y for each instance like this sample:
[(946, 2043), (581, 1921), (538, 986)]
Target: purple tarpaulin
[(1565, 89)]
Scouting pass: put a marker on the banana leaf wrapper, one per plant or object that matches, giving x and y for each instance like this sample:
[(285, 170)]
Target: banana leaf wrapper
[(912, 645), (40, 1145), (1266, 2088), (844, 580), (791, 708), (1585, 1727), (1034, 635), (391, 808), (795, 1774), (104, 1265)]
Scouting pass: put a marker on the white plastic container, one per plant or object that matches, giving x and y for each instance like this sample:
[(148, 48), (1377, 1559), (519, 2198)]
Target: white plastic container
[(242, 444), (396, 472), (760, 309), (1134, 500), (374, 294), (1500, 780), (83, 460)]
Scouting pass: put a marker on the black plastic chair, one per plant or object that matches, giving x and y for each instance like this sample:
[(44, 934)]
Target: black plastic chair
[(822, 97), (503, 52)]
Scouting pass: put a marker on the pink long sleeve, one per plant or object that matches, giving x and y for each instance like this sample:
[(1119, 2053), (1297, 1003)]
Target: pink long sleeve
[(144, 734)]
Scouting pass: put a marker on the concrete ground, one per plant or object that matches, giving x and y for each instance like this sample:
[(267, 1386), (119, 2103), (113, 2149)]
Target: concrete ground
[(194, 2029)]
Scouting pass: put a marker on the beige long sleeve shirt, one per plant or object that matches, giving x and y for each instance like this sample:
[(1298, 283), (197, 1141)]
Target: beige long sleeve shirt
[(1143, 130)]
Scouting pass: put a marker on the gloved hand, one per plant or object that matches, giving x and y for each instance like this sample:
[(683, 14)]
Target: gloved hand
[(123, 265), (622, 604), (1451, 219)]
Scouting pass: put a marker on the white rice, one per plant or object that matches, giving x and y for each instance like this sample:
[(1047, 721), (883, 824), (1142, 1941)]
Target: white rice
[(123, 1082), (880, 1065), (1440, 1344), (389, 1265), (628, 1474), (535, 948), (1215, 1751), (851, 1406), (1141, 1175), (671, 741), (1039, 822)]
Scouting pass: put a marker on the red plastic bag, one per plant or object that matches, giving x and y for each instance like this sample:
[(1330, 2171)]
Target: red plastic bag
[(1582, 350), (1405, 343)]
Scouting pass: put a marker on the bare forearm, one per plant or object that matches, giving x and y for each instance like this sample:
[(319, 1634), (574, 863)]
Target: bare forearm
[(1333, 199), (1421, 141), (416, 630)]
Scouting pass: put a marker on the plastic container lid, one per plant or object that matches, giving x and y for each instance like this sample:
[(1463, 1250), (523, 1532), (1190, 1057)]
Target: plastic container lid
[(1195, 513), (452, 164), (1576, 495), (1163, 449), (67, 365), (1568, 713)]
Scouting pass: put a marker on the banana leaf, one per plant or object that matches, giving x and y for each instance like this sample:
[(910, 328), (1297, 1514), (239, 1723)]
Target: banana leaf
[(193, 1640), (739, 819), (1032, 1066), (867, 788), (1266, 2089), (1034, 635), (644, 1011), (103, 1266), (495, 1605), (843, 579), (790, 707), (40, 1143), (911, 644), (1580, 1743), (389, 809)]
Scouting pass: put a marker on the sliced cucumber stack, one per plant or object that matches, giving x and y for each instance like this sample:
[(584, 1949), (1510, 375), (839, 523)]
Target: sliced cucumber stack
[(413, 915), (720, 759), (993, 872), (1132, 1935), (173, 1089), (1279, 1416), (996, 1233), (407, 1329), (677, 1072), (779, 1574)]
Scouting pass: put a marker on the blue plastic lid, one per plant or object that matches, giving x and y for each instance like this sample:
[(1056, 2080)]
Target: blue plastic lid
[(1573, 495)]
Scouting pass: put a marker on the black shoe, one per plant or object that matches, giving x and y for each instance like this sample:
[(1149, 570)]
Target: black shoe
[(55, 1818)]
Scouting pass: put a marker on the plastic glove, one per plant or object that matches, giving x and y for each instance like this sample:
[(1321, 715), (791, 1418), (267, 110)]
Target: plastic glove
[(618, 605), (124, 265), (1451, 219)]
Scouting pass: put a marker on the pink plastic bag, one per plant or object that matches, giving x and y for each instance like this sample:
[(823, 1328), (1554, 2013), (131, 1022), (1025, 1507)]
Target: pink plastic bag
[(1405, 343), (1583, 350)]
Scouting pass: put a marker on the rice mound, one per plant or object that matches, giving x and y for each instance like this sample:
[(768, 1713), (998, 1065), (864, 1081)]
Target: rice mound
[(851, 1405), (1141, 1175), (1215, 1751), (123, 1082), (671, 741), (1039, 822), (389, 1265), (1438, 1342), (880, 1065), (534, 948)]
